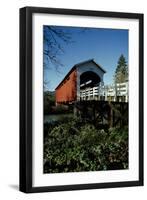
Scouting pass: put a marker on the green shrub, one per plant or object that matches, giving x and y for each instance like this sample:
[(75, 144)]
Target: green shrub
[(76, 146)]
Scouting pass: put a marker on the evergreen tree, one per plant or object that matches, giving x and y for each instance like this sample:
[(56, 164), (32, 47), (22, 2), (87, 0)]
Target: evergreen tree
[(121, 72)]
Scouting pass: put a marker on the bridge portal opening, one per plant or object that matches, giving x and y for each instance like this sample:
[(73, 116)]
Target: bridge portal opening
[(89, 83), (89, 79)]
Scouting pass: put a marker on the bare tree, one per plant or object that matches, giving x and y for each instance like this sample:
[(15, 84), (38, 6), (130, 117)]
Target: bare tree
[(54, 40)]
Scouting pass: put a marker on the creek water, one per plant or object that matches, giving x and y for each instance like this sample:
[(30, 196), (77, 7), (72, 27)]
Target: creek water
[(56, 117)]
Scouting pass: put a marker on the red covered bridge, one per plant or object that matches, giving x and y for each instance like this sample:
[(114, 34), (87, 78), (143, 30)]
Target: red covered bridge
[(87, 74)]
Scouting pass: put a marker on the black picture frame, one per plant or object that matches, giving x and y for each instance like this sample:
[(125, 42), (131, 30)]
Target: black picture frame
[(26, 73)]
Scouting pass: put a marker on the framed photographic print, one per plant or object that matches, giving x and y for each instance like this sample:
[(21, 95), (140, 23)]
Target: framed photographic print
[(81, 99)]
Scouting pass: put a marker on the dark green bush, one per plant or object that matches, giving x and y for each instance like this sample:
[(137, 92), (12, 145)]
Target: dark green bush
[(76, 146)]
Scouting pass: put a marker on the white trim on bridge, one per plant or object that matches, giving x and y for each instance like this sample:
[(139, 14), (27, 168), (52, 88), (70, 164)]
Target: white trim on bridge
[(117, 92)]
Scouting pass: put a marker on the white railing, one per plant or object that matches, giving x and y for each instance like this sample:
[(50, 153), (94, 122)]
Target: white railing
[(118, 92)]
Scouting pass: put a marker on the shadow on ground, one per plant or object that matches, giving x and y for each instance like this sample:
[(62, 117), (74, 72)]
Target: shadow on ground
[(14, 187)]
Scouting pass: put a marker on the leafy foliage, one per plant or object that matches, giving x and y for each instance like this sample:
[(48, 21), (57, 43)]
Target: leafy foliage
[(49, 105), (49, 101), (74, 146), (121, 72)]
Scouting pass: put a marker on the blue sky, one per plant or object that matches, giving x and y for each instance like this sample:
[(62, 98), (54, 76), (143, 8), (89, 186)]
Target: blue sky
[(103, 45)]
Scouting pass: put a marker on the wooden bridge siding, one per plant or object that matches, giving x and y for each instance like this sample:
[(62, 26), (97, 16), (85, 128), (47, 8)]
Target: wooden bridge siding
[(67, 92)]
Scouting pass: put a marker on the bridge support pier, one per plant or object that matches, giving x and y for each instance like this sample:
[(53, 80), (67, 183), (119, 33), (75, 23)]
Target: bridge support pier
[(104, 113)]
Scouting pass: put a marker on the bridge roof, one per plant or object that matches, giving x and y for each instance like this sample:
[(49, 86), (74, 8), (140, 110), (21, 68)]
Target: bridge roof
[(90, 60), (78, 65)]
